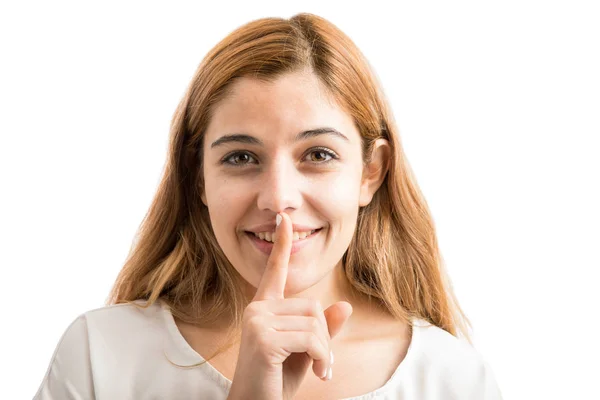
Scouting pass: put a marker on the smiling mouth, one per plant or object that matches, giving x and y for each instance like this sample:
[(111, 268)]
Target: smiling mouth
[(299, 239)]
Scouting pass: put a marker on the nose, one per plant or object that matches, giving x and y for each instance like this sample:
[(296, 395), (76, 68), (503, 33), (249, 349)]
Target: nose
[(280, 186)]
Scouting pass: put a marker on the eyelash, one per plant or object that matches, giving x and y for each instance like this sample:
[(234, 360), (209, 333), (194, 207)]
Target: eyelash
[(313, 150)]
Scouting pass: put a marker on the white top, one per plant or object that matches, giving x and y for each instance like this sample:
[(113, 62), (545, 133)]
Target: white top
[(118, 352)]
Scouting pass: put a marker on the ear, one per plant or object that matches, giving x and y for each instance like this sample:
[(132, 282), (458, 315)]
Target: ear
[(375, 171)]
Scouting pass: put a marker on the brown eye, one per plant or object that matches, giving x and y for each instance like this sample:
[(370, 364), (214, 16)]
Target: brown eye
[(319, 156), (322, 156), (241, 158), (238, 159)]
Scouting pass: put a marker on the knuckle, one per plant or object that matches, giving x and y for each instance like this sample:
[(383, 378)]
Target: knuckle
[(314, 324), (255, 323), (251, 310), (248, 312), (315, 307), (263, 340), (312, 341)]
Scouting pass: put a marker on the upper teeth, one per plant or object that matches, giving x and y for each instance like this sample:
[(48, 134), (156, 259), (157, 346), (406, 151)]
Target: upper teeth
[(271, 236)]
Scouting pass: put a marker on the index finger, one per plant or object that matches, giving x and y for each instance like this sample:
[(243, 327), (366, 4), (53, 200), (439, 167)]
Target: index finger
[(272, 283)]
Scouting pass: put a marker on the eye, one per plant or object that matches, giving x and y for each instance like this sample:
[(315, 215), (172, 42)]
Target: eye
[(237, 159), (317, 155)]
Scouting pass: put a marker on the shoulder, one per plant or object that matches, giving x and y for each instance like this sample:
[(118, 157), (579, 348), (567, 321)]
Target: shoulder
[(109, 338), (119, 321), (124, 329), (453, 363), (123, 317), (440, 346), (110, 323)]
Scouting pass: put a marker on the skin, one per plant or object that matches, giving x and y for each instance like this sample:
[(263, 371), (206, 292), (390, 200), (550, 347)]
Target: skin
[(320, 182), (281, 177)]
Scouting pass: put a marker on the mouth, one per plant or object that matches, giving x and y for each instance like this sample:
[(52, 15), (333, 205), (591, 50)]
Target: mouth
[(266, 246)]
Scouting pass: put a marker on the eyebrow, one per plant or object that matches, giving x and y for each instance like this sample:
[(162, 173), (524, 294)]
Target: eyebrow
[(248, 139)]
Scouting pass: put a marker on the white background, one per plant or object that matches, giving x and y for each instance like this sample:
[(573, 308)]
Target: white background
[(498, 108)]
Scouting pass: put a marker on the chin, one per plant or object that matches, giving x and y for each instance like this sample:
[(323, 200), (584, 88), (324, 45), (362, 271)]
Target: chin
[(299, 281)]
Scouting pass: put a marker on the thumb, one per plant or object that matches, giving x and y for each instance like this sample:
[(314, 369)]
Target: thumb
[(336, 315)]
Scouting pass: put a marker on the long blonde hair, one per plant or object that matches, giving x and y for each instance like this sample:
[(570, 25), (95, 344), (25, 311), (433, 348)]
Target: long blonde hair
[(393, 256)]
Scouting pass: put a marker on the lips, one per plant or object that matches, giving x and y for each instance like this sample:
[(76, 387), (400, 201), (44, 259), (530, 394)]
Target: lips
[(271, 233), (266, 247), (270, 227)]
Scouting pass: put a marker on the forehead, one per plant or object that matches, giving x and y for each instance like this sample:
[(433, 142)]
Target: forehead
[(293, 102)]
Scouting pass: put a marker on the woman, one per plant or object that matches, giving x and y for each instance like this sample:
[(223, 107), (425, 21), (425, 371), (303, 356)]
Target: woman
[(288, 240)]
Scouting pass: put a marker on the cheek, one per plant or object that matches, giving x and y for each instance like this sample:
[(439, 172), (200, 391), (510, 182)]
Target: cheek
[(338, 196), (227, 203), (337, 202)]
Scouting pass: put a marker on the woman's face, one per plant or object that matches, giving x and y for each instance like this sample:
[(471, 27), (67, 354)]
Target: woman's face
[(283, 147)]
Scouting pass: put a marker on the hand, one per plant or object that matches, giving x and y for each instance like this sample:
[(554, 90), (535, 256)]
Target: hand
[(281, 337)]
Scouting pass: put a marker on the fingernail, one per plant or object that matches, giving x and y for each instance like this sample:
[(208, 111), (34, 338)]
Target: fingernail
[(325, 374), (331, 356), (278, 219), (329, 374)]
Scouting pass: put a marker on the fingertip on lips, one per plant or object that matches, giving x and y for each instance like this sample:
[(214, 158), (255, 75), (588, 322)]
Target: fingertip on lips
[(266, 246), (316, 230)]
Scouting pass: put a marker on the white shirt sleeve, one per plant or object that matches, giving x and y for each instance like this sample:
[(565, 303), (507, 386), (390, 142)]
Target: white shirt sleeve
[(491, 391), (484, 385), (69, 375)]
